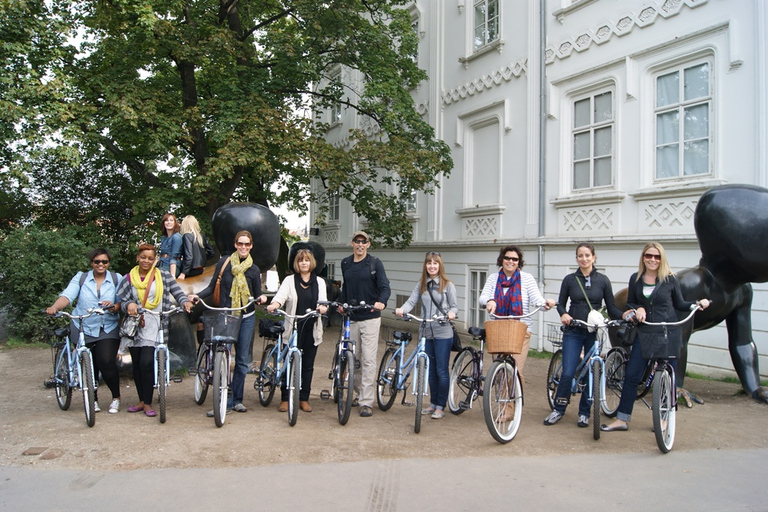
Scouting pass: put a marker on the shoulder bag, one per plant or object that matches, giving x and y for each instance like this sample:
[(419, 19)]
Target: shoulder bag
[(131, 323), (456, 346), (216, 297)]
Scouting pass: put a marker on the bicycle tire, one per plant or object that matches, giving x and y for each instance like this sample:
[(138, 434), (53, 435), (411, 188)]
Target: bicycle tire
[(89, 389), (503, 388), (335, 374), (597, 371), (267, 378), (664, 409), (162, 357), (420, 386), (464, 385), (61, 375), (202, 375), (346, 385), (220, 387), (615, 369), (386, 383), (554, 372), (293, 384)]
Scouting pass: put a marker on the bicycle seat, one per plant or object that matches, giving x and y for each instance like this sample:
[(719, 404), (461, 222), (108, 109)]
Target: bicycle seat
[(402, 335), (61, 332), (477, 332), (270, 329)]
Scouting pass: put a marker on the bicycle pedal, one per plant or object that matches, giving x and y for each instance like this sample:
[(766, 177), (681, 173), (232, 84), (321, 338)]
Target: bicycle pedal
[(407, 404), (50, 383), (357, 364), (464, 405), (177, 379), (325, 395), (330, 375), (192, 372)]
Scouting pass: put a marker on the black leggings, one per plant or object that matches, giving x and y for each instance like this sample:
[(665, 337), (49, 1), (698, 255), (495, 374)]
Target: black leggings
[(105, 362), (305, 343), (143, 359)]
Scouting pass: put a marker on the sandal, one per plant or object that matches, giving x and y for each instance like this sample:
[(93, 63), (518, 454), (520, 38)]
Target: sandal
[(438, 414), (429, 410)]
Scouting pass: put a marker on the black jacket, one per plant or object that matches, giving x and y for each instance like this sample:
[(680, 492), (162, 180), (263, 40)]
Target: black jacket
[(599, 291), (193, 257), (664, 302), (365, 281)]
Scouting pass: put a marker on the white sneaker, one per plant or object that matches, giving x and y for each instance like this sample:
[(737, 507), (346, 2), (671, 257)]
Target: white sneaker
[(114, 407), (96, 407)]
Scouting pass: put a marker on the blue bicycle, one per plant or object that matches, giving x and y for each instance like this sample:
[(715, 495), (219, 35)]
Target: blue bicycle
[(281, 359), (395, 370), (73, 366)]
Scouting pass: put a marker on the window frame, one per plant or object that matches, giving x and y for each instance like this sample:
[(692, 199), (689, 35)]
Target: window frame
[(477, 315), (591, 128), (487, 41)]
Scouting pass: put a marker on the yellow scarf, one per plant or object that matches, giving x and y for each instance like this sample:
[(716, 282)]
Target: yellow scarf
[(141, 286), (239, 292)]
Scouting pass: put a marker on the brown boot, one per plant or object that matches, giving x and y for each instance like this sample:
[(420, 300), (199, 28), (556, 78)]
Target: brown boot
[(283, 407), (305, 406)]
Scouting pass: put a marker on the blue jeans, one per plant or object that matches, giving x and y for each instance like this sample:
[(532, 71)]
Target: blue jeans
[(633, 373), (243, 358), (574, 341), (439, 353)]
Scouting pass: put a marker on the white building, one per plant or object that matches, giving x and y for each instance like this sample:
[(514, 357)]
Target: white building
[(644, 106)]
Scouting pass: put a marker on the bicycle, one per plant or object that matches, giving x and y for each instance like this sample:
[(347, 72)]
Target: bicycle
[(73, 366), (214, 356), (344, 363), (395, 369), (466, 381), (590, 375), (162, 365), (503, 391), (659, 378), (282, 360)]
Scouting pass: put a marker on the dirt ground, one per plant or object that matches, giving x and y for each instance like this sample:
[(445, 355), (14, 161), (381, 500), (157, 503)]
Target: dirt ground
[(30, 421)]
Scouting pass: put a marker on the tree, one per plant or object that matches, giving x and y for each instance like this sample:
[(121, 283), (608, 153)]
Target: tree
[(194, 104)]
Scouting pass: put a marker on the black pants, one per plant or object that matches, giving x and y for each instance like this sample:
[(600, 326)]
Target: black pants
[(306, 343), (143, 359), (103, 349)]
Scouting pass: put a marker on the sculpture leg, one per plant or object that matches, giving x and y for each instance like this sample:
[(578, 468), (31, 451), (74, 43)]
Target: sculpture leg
[(743, 350)]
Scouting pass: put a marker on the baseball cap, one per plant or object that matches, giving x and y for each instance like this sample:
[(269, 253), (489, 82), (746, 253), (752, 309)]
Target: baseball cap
[(361, 233)]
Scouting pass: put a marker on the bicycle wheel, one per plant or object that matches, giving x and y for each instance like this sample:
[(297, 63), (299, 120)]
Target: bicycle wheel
[(346, 385), (334, 377), (203, 363), (553, 376), (293, 388), (597, 371), (419, 379), (162, 357), (664, 408), (615, 368), (463, 386), (63, 390), (386, 384), (220, 377), (503, 401), (266, 380), (88, 387)]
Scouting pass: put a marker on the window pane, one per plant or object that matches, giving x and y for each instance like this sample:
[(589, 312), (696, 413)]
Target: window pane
[(603, 145), (493, 9), (668, 89), (479, 36), (581, 175), (667, 128), (603, 172), (581, 146), (696, 157), (581, 113), (667, 162), (603, 108), (696, 82), (493, 29), (696, 123)]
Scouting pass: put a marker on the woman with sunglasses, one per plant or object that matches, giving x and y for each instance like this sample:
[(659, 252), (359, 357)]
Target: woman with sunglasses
[(587, 289), (654, 295), (438, 297), (97, 288)]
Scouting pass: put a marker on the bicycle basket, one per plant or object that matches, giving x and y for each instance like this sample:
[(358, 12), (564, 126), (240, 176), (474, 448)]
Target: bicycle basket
[(555, 334), (659, 343), (221, 327), (505, 336)]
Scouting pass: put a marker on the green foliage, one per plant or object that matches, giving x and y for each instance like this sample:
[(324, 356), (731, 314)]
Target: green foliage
[(115, 112), (36, 266)]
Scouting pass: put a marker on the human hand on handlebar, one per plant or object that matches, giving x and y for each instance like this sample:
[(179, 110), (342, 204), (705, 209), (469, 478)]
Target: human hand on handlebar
[(566, 319)]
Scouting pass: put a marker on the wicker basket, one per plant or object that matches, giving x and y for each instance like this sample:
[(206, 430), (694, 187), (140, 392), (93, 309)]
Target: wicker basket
[(505, 336)]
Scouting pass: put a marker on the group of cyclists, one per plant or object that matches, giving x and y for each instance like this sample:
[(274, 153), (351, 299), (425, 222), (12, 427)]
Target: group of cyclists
[(654, 295)]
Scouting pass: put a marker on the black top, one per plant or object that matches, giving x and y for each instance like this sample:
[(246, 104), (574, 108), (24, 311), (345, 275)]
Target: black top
[(664, 302), (252, 277), (364, 281), (598, 290)]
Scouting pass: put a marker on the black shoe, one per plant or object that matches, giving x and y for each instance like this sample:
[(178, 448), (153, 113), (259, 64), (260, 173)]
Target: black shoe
[(583, 421), (366, 412)]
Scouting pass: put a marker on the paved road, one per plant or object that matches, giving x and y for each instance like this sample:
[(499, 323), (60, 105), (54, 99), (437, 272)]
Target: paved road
[(708, 480)]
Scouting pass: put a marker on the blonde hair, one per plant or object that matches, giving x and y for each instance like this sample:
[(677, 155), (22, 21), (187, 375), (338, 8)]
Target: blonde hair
[(190, 225), (443, 280), (664, 269), (301, 255)]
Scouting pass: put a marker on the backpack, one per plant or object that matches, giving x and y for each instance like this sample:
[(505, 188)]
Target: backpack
[(84, 276), (348, 261)]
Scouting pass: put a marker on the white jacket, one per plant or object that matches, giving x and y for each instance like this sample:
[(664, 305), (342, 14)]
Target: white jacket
[(286, 296)]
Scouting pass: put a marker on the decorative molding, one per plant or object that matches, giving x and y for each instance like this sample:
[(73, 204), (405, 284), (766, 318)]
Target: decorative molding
[(422, 108), (676, 189), (560, 14), (623, 26), (497, 45), (331, 236), (488, 209), (589, 199), (595, 220), (669, 215), (481, 227), (485, 82)]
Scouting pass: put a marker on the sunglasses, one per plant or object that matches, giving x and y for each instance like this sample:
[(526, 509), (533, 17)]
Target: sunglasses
[(432, 253), (100, 262), (359, 241), (243, 244), (648, 256), (511, 258)]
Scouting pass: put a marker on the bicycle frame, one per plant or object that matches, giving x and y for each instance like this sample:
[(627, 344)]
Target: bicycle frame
[(407, 365), (283, 351)]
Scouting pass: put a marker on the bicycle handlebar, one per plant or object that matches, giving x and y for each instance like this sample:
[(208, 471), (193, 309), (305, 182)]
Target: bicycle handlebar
[(90, 311), (309, 313), (346, 307), (606, 324), (516, 317), (174, 309), (251, 300), (436, 318), (694, 309)]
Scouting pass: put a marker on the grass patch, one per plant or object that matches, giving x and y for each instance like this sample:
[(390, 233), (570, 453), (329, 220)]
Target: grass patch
[(729, 380), (535, 354), (19, 343)]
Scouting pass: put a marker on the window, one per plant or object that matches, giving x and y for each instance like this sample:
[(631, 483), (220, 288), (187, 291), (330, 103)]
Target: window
[(330, 271), (683, 106), (486, 29), (409, 201), (333, 206), (477, 314), (593, 141)]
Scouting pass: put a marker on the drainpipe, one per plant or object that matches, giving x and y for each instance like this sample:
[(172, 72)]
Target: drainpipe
[(542, 152)]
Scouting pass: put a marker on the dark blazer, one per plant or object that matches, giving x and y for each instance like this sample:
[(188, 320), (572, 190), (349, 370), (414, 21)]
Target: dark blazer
[(664, 302)]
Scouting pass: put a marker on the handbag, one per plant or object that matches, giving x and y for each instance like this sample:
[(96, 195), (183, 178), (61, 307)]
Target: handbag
[(129, 326), (456, 345), (216, 297)]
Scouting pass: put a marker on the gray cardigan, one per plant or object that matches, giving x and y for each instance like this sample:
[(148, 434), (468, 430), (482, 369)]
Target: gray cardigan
[(448, 304)]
